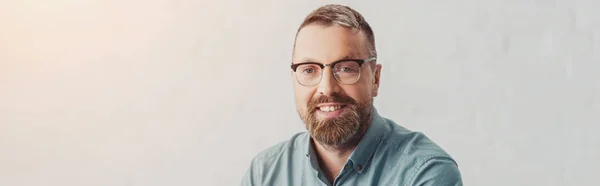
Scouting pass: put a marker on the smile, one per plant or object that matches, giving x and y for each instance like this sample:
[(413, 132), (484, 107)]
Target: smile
[(330, 108)]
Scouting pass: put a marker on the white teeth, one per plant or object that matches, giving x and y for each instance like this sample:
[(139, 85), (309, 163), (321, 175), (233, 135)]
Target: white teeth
[(329, 108)]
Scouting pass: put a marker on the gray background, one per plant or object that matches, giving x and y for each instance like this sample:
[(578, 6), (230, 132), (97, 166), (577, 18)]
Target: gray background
[(176, 92)]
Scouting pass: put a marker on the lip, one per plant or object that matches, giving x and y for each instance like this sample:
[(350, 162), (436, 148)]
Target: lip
[(330, 115), (330, 104)]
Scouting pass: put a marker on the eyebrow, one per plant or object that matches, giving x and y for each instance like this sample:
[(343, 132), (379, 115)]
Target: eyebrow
[(308, 59), (347, 57)]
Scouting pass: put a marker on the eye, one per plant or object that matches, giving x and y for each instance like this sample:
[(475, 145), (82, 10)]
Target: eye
[(308, 69), (349, 67)]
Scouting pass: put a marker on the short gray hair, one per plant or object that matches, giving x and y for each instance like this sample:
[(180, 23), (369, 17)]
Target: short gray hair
[(344, 16)]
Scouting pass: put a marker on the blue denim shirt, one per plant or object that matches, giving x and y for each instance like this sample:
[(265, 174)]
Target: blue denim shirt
[(388, 154)]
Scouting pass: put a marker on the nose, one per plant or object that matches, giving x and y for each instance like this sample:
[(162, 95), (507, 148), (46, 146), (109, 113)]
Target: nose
[(328, 84)]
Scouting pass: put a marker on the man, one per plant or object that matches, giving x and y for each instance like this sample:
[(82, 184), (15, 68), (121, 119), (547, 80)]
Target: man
[(335, 78)]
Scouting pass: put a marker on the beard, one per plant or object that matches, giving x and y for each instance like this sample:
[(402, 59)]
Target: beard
[(340, 132)]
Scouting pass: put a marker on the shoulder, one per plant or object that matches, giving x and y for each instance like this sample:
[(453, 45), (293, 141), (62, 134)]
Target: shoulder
[(437, 171), (291, 146), (412, 144), (426, 160), (278, 155)]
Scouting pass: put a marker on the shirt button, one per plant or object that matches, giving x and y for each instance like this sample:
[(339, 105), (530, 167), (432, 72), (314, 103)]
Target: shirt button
[(358, 167)]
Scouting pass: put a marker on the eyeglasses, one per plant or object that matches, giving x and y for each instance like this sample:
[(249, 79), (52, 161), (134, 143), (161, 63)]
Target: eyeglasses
[(345, 71)]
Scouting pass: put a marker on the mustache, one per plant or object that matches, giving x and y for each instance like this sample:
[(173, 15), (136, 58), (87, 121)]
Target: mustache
[(335, 97)]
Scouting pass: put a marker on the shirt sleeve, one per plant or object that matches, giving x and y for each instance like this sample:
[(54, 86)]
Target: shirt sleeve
[(252, 177), (438, 172)]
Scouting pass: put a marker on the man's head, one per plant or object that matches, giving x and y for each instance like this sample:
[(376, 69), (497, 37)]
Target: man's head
[(335, 75)]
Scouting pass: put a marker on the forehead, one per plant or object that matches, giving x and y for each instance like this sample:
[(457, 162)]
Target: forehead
[(326, 44)]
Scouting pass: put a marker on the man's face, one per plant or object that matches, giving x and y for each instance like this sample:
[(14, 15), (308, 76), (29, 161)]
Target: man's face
[(334, 113)]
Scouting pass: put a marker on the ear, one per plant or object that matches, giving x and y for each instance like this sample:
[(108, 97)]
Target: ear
[(376, 80)]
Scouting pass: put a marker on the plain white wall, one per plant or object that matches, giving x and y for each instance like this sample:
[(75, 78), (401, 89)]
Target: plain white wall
[(164, 92)]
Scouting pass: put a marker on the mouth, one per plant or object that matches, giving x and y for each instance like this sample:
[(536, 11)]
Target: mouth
[(330, 110)]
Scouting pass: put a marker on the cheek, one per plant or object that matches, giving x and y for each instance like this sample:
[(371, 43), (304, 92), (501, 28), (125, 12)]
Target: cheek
[(360, 93), (303, 96)]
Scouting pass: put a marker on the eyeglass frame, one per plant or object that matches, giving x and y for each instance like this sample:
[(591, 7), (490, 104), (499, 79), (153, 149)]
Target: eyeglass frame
[(359, 61)]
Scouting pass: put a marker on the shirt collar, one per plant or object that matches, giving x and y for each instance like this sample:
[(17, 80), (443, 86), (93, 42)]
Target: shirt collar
[(365, 148), (370, 141)]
